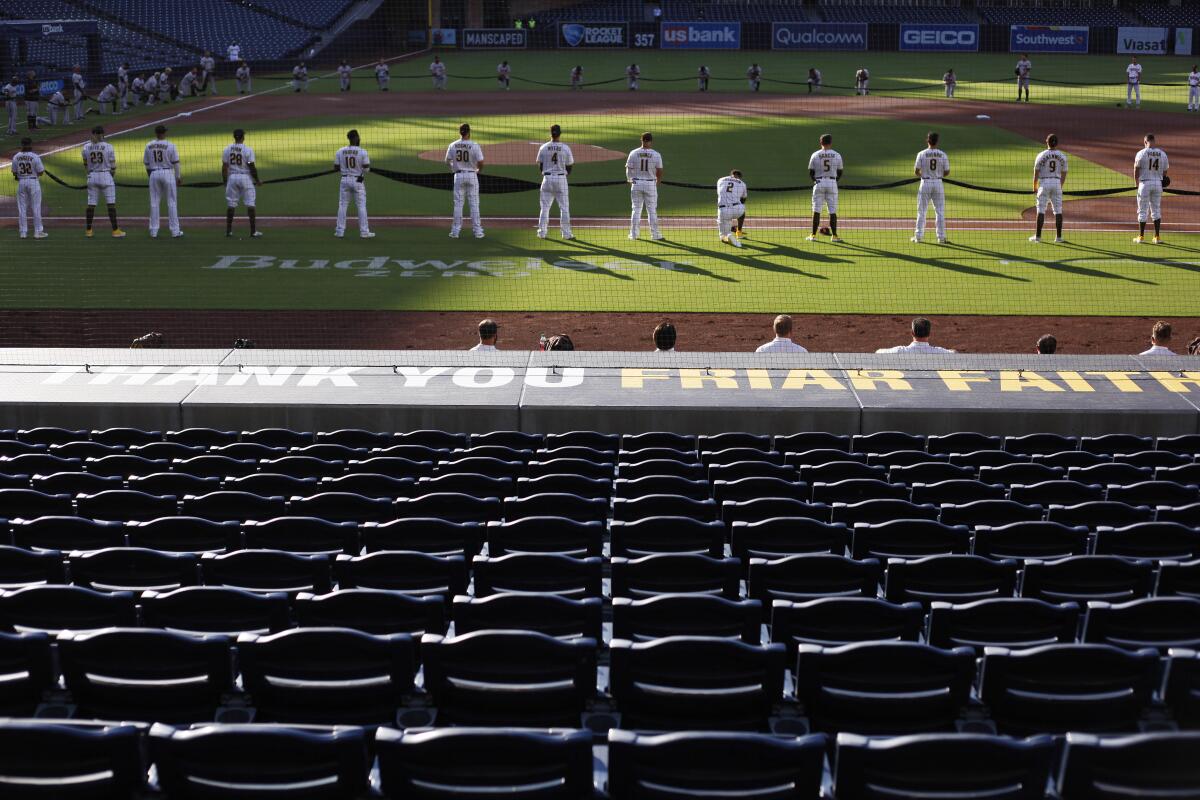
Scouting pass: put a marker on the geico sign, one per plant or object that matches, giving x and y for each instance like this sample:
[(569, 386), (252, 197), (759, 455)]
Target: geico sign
[(932, 37)]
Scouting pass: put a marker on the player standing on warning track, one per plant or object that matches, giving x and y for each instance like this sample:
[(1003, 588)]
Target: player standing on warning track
[(632, 73), (731, 204), (344, 71), (354, 163), (1194, 88), (1133, 82), (465, 159), (9, 93), (101, 162), (78, 91), (950, 81), (702, 76), (1150, 173), (503, 71), (862, 81), (27, 171), (1023, 71), (242, 75), (825, 168), (300, 77), (1049, 177), (33, 92), (644, 170), (554, 161), (932, 165), (383, 75), (161, 160), (437, 70), (754, 77), (241, 177), (577, 77)]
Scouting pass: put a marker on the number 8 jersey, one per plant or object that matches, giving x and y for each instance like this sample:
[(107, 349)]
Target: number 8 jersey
[(932, 163), (352, 161)]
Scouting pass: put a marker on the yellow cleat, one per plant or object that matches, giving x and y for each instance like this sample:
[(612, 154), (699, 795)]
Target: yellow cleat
[(835, 238), (725, 239), (741, 234), (88, 233), (118, 234), (1157, 240), (1139, 239)]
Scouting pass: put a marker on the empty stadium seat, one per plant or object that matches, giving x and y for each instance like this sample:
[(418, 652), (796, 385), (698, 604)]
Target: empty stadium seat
[(780, 537), (956, 491), (550, 573), (1142, 765), (1178, 578), (19, 568), (553, 615), (652, 535), (1158, 622), (233, 506), (57, 608), (809, 577), (1101, 512), (185, 535), (424, 535), (834, 621), (116, 569), (908, 538), (952, 579), (412, 573), (676, 573), (663, 505), (25, 663), (1151, 540), (125, 504), (267, 571), (1013, 622), (1082, 578), (375, 611), (769, 507), (277, 437), (836, 471), (215, 609), (1025, 540), (990, 512), (555, 504), (61, 759), (67, 533), (686, 615), (73, 483), (302, 535), (548, 534), (884, 510)]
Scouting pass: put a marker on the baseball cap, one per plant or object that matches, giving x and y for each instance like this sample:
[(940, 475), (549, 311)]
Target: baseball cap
[(555, 130), (464, 129), (98, 130), (160, 129)]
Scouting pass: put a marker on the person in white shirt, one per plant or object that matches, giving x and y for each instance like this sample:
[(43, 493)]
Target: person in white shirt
[(825, 167), (233, 53), (702, 76), (1193, 81), (242, 75), (754, 77), (164, 85), (1023, 72), (731, 204), (1160, 340), (137, 92), (161, 160), (665, 337), (503, 73), (577, 77), (353, 163), (437, 70), (862, 81), (101, 162), (1150, 167), (632, 73), (240, 174), (464, 157), (78, 91), (555, 161), (59, 107), (107, 99), (383, 75), (644, 171), (931, 166), (1049, 177), (208, 77), (489, 332), (921, 329), (814, 80), (344, 72), (1133, 82), (300, 77), (189, 84), (951, 82), (123, 85), (8, 93), (27, 170), (782, 343)]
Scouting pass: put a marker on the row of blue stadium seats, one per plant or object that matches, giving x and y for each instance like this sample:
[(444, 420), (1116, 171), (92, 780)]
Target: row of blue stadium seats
[(440, 764), (330, 676), (955, 578), (1085, 15)]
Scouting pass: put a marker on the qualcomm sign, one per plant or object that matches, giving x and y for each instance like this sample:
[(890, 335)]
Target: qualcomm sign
[(701, 36), (945, 38), (818, 36)]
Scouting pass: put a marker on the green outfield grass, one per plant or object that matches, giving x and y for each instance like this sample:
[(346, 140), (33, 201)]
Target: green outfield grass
[(980, 272), (770, 151)]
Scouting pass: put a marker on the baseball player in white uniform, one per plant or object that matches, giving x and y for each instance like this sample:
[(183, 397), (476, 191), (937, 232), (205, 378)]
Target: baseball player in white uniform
[(632, 73), (1150, 172), (1023, 71), (353, 163), (164, 86), (950, 81), (189, 84), (27, 171), (208, 82), (1049, 177), (554, 161), (577, 77), (59, 107), (1133, 82), (825, 168), (754, 77), (437, 70), (161, 160), (503, 75), (344, 71), (123, 85), (931, 166), (731, 204), (1193, 80), (9, 93), (383, 75), (233, 53), (644, 170), (300, 77), (242, 75), (241, 177), (78, 90), (107, 99), (137, 91), (862, 81), (702, 76), (814, 80), (101, 162), (465, 159)]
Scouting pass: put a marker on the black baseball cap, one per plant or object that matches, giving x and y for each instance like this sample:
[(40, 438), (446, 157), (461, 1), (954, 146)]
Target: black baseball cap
[(160, 130), (556, 130), (98, 130)]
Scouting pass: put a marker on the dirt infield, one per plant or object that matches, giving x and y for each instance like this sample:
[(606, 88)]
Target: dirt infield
[(525, 153)]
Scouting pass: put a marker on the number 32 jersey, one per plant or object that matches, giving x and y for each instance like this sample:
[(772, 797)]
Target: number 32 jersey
[(351, 161)]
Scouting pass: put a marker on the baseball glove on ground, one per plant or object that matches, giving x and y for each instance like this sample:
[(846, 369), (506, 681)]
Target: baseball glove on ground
[(825, 232), (1166, 181)]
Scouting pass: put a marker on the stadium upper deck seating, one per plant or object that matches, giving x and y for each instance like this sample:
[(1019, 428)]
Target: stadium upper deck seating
[(834, 12), (1091, 15)]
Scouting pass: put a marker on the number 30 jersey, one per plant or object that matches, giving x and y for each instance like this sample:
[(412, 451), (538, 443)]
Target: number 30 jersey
[(932, 164), (463, 155), (352, 161)]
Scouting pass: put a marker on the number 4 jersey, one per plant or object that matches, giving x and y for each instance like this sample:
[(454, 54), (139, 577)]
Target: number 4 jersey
[(932, 164), (554, 158), (352, 161)]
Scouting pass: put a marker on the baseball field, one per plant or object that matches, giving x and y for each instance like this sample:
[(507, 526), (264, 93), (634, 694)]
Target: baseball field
[(206, 287)]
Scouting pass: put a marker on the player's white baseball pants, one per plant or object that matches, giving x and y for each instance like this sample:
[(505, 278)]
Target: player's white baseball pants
[(78, 104), (29, 202), (644, 194), (240, 188), (1194, 98), (1149, 200), (439, 82), (950, 89), (1132, 89), (633, 84), (554, 189), (351, 189), (300, 85), (344, 83), (383, 83), (1022, 85), (162, 185), (1049, 194), (57, 111), (862, 87), (123, 95), (931, 191), (726, 217), (243, 86), (101, 183), (11, 107), (466, 188), (825, 194), (31, 108)]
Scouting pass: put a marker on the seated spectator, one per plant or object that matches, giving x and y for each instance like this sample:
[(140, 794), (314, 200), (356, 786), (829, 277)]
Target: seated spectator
[(1047, 345), (921, 329), (489, 331), (1194, 347), (782, 343), (150, 341), (560, 342), (664, 338), (1160, 340)]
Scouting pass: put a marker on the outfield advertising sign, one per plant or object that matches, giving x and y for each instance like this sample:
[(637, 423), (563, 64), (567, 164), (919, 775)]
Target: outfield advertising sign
[(941, 38), (1143, 41), (700, 35), (494, 38), (587, 35), (1183, 41), (818, 36), (1048, 39)]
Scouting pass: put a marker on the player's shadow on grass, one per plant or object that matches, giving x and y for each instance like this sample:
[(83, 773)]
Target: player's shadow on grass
[(1145, 259), (656, 263), (937, 263), (751, 263), (1057, 266)]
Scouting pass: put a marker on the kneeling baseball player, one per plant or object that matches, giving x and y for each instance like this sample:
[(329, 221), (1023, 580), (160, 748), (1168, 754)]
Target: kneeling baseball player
[(241, 177), (101, 162), (731, 204)]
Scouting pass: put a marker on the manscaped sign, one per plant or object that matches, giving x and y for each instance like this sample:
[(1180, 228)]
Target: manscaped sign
[(494, 38)]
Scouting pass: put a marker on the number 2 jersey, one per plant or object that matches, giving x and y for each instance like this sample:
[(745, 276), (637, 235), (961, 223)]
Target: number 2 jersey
[(731, 191), (1150, 164), (932, 163), (352, 161)]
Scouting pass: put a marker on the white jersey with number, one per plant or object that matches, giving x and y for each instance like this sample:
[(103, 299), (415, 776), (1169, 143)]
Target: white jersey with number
[(300, 73), (160, 154), (78, 82), (99, 157), (464, 155), (643, 164), (754, 73), (1050, 165), (932, 163), (234, 52), (1134, 73), (345, 71), (1194, 79), (825, 164), (352, 161), (1151, 163), (243, 73), (208, 64), (632, 72), (238, 157), (554, 157), (731, 191), (27, 165), (1023, 67), (437, 69), (382, 71)]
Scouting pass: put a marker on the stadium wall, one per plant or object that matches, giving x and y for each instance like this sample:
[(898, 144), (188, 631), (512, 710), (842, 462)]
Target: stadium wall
[(551, 392)]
